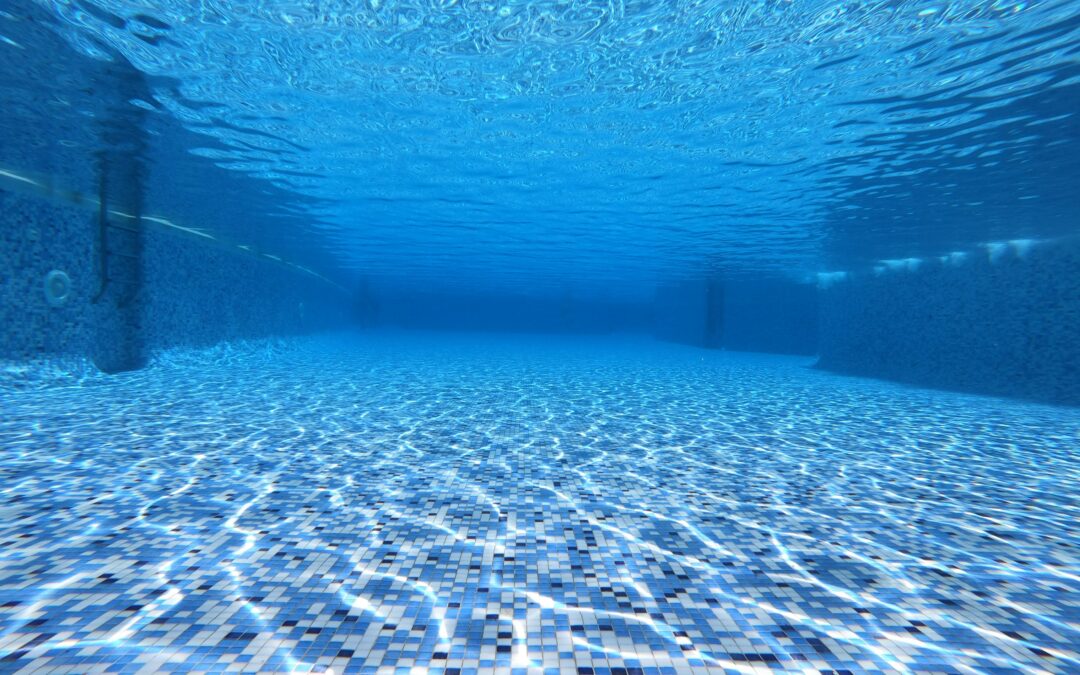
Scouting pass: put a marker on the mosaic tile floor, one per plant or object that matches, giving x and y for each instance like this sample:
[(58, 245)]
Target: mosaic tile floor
[(457, 506)]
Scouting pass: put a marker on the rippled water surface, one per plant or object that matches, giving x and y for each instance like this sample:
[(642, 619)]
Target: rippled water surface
[(468, 503), (609, 143)]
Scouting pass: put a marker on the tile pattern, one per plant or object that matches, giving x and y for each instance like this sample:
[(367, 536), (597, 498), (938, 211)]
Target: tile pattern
[(939, 325), (36, 237), (454, 505), (192, 294), (198, 295), (778, 316)]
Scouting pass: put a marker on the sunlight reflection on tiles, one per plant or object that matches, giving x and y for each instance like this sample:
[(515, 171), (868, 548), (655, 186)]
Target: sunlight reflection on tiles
[(460, 505)]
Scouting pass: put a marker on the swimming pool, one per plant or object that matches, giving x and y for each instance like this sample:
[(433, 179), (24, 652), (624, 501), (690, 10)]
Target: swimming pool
[(602, 337), (470, 503)]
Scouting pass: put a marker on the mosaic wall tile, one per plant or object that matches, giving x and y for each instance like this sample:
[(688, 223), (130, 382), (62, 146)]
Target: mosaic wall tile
[(35, 238), (1002, 319), (191, 294), (200, 295), (776, 316)]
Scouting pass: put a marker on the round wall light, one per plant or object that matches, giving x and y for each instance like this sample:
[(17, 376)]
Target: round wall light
[(57, 288)]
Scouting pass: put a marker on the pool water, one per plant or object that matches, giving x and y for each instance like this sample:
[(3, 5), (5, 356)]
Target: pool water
[(459, 504)]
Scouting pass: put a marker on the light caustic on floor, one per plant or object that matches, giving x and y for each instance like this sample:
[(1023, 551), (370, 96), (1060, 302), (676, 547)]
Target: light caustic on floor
[(453, 506)]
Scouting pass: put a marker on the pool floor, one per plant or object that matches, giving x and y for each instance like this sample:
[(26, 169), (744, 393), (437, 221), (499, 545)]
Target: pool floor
[(457, 504)]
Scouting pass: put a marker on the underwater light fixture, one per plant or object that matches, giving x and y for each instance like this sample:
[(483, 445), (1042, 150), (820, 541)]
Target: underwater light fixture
[(57, 288)]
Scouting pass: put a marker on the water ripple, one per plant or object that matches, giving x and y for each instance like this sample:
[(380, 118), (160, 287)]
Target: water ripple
[(618, 142)]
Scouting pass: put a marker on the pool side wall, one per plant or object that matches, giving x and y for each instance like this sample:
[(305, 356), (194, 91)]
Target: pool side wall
[(777, 316), (1002, 321), (771, 315), (506, 312), (190, 293)]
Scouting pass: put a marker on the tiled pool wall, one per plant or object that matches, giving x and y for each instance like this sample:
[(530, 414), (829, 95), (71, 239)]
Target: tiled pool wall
[(1003, 319), (200, 295), (37, 237), (770, 315), (190, 293), (686, 312), (505, 312), (767, 315)]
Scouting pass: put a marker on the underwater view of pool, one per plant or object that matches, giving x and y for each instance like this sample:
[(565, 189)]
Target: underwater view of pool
[(507, 337)]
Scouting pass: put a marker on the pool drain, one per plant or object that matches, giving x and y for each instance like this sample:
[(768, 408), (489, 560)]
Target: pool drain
[(57, 288)]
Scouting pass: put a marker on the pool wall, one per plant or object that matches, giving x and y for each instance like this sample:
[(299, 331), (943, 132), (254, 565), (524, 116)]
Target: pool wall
[(770, 315), (506, 312), (753, 315), (36, 237), (1002, 319), (200, 295), (186, 292), (682, 311)]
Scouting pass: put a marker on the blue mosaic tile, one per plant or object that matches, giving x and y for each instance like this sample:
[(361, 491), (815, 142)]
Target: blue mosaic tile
[(1000, 322), (232, 297), (403, 504)]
